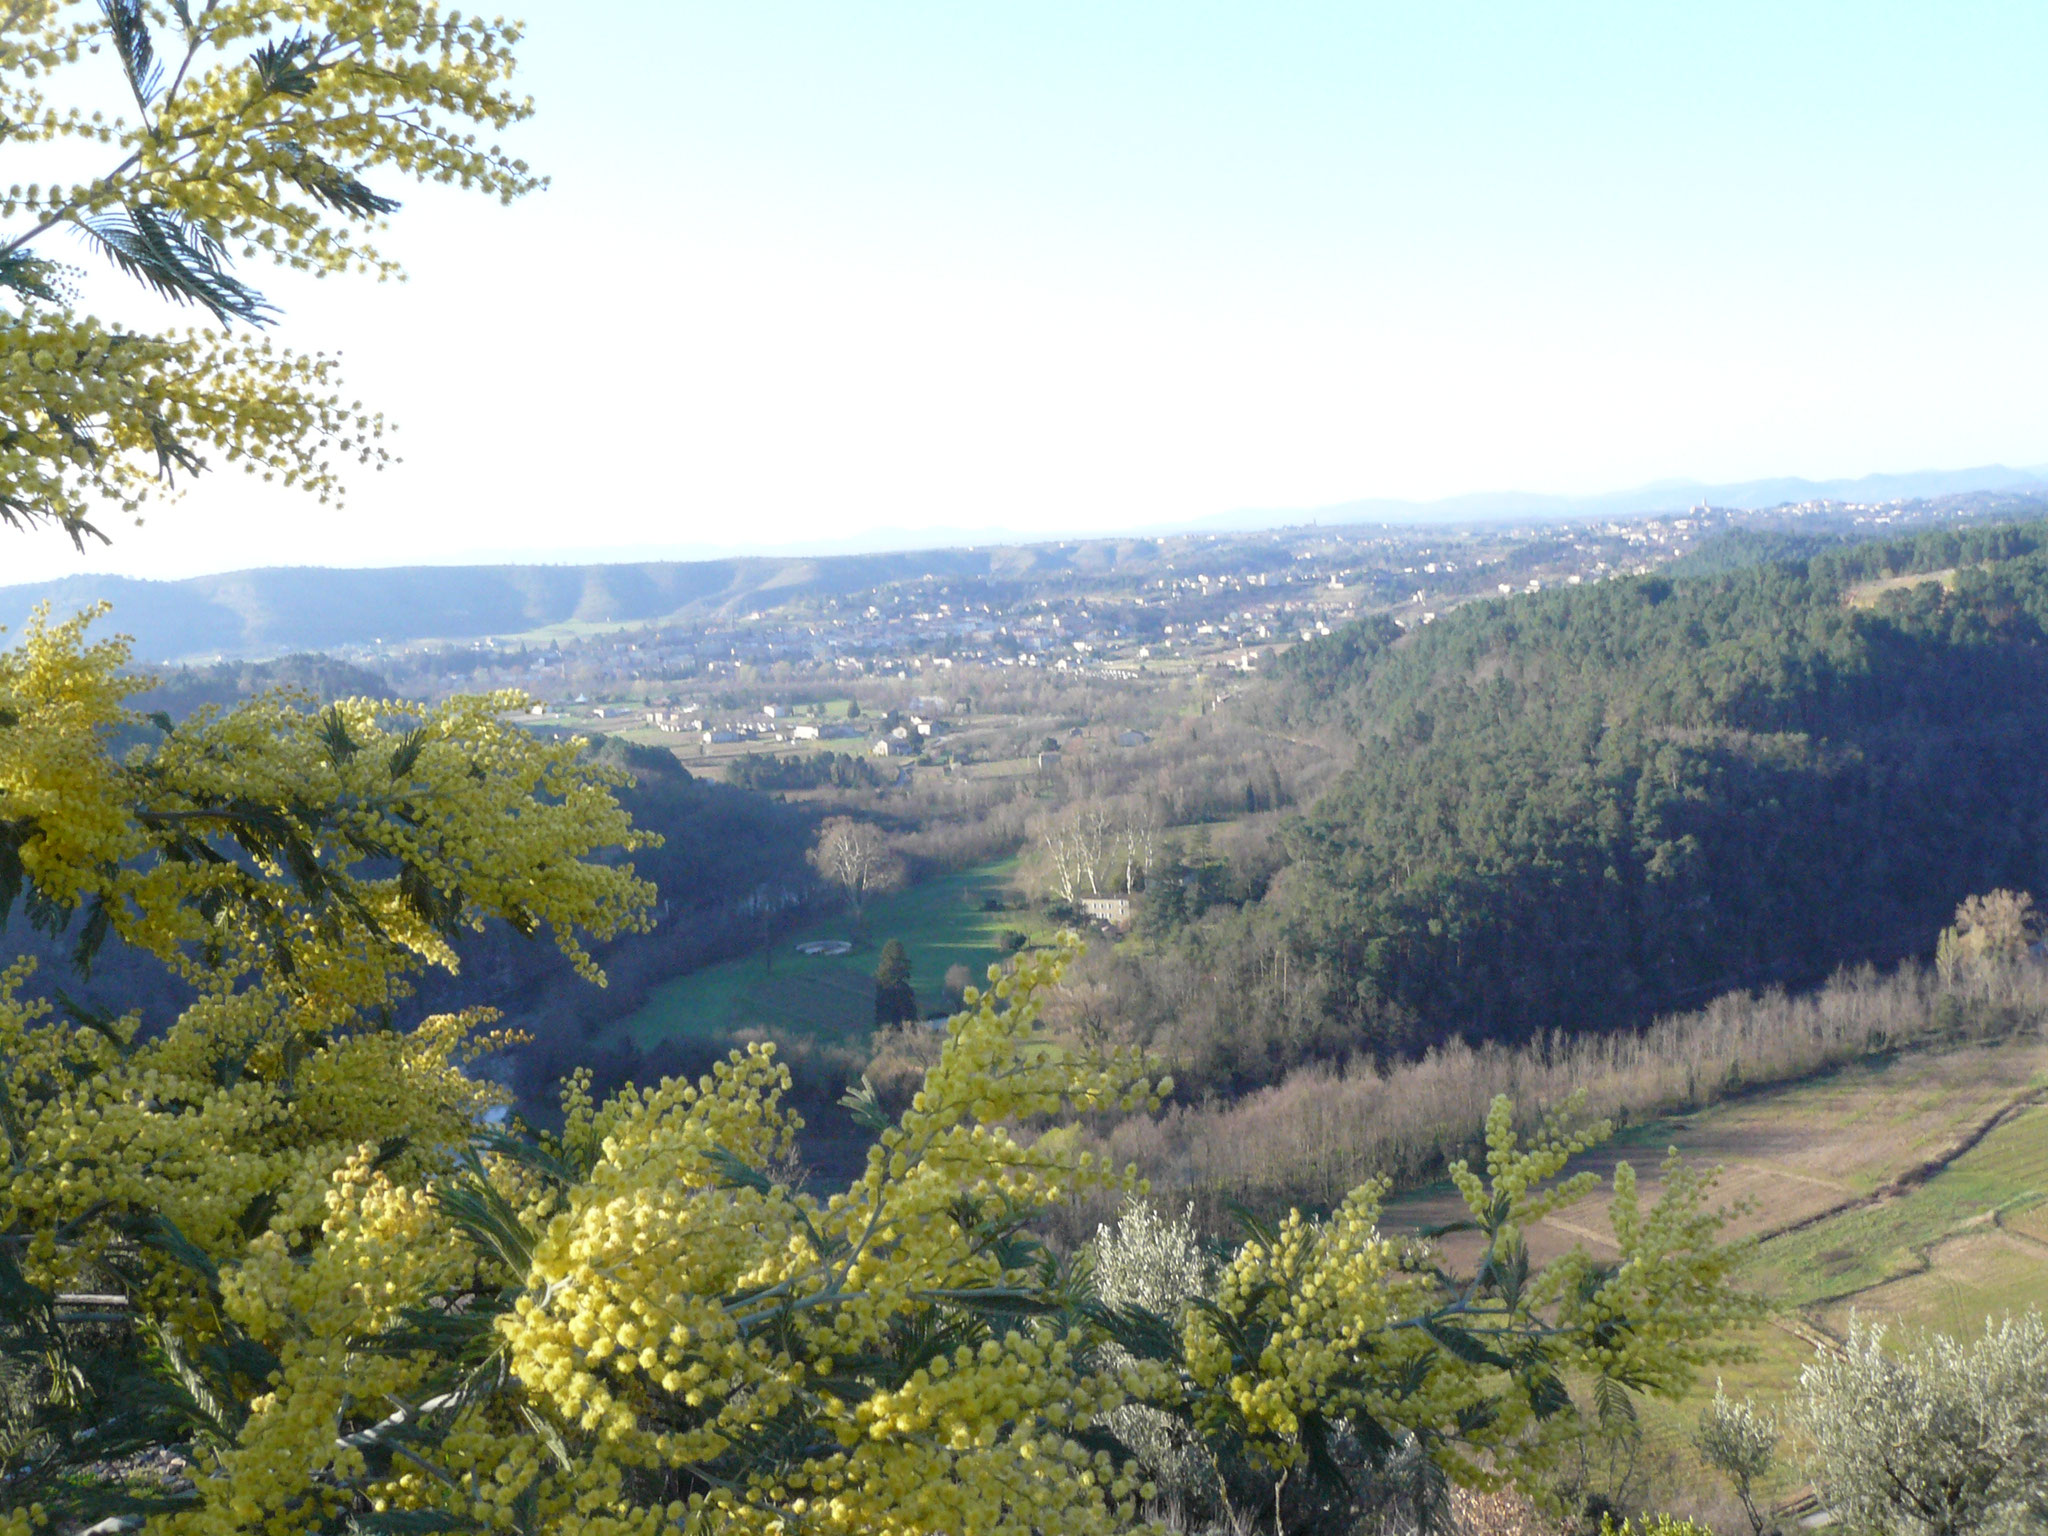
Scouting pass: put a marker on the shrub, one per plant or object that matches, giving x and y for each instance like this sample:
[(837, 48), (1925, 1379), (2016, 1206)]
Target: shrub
[(1148, 1261), (1739, 1441)]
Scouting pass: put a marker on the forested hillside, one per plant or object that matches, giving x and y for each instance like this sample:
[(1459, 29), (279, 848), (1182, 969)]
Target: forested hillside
[(1577, 809), (731, 866)]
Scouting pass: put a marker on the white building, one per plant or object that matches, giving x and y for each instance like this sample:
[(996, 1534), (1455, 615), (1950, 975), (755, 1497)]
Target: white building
[(1113, 910)]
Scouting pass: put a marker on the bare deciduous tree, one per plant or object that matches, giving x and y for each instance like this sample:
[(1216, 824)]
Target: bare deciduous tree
[(1099, 848), (1141, 842), (1076, 843), (856, 857)]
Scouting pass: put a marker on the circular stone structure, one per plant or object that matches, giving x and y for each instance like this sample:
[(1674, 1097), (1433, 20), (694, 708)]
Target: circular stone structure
[(825, 947)]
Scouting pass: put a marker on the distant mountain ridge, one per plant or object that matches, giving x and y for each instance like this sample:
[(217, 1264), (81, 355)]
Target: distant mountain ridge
[(284, 609), (1675, 495), (278, 610)]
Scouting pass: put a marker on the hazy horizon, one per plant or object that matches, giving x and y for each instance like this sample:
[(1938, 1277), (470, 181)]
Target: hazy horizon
[(808, 275), (1468, 508)]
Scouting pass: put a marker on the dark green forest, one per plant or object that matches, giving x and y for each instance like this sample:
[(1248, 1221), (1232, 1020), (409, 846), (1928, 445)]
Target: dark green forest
[(1579, 809)]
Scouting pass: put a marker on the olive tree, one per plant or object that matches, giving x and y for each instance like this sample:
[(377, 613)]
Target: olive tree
[(1942, 1438), (1740, 1441)]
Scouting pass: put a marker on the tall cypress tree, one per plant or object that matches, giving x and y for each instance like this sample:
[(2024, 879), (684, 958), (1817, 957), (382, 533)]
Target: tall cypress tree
[(895, 1002)]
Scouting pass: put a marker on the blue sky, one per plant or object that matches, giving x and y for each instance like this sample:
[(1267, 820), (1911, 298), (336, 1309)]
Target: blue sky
[(812, 270)]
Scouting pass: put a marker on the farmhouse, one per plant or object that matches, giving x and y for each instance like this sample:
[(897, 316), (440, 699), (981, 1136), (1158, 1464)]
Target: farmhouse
[(1113, 910)]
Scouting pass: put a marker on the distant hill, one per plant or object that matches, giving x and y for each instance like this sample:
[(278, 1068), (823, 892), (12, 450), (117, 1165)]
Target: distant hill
[(1677, 495), (228, 683), (284, 609), (279, 610)]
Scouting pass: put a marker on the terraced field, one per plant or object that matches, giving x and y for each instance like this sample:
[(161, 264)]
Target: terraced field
[(1797, 1159), (1912, 1191)]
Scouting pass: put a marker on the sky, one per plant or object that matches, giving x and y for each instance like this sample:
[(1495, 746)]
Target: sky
[(813, 272)]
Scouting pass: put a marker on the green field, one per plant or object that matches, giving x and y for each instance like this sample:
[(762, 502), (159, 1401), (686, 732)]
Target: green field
[(828, 998)]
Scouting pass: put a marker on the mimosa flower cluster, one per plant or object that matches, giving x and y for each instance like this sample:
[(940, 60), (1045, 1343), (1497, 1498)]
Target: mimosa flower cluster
[(245, 129)]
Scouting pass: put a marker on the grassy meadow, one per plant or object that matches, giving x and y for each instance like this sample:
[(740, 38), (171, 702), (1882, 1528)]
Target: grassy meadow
[(827, 998)]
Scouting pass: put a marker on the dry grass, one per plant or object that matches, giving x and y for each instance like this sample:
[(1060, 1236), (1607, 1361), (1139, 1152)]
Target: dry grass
[(1324, 1131), (2030, 1224), (1503, 1513), (1968, 1278), (1865, 594)]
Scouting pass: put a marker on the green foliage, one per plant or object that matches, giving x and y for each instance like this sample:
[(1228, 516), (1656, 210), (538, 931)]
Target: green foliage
[(895, 1002), (227, 683), (1740, 1441), (1606, 802), (765, 771), (1150, 1264), (893, 968), (1342, 1375), (1740, 548), (235, 148), (1940, 1438)]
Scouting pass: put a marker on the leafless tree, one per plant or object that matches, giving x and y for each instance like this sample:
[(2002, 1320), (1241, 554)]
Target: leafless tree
[(1080, 844), (1095, 842), (1063, 848), (1141, 841), (855, 856)]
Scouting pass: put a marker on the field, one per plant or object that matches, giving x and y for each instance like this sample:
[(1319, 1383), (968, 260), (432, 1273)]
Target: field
[(1865, 594), (1912, 1191), (825, 998)]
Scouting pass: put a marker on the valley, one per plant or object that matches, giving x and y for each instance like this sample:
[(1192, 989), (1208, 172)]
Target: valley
[(1670, 820)]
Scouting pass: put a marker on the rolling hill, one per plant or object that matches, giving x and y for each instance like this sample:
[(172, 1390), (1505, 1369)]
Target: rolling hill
[(281, 609)]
